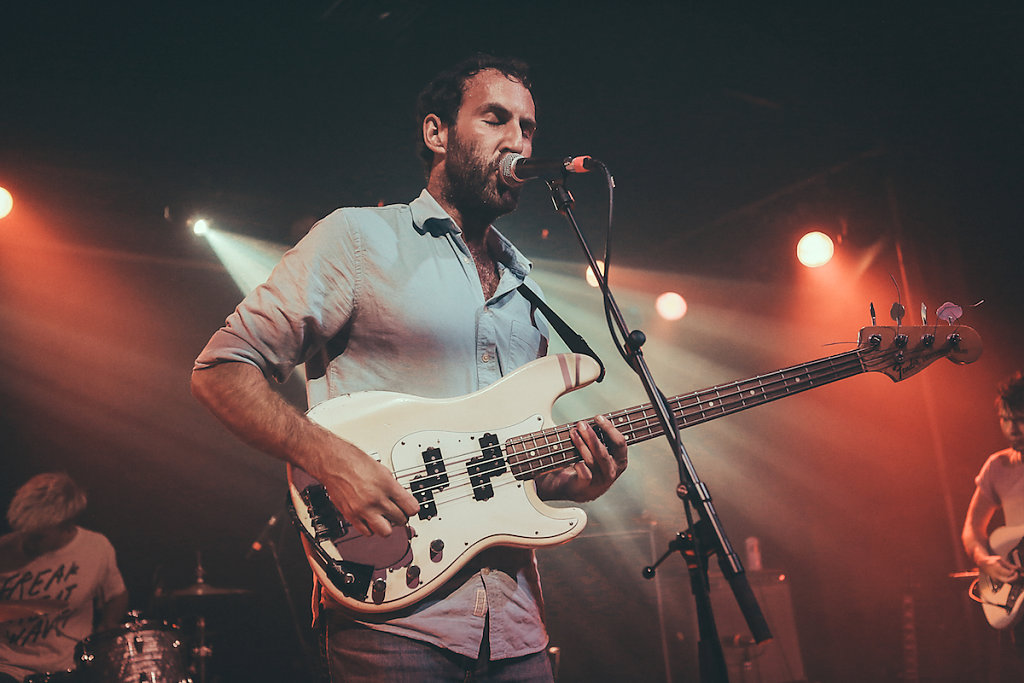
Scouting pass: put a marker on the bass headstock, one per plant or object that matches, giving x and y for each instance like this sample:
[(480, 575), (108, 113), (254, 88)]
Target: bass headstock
[(906, 350)]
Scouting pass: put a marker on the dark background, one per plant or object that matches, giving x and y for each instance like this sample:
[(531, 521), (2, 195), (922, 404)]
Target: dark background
[(730, 131)]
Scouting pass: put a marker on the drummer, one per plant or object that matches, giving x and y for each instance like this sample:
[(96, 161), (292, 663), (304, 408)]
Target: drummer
[(58, 581)]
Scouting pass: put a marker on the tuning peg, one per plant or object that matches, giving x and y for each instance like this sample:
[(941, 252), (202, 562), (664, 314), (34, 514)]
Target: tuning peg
[(949, 312), (924, 314), (897, 312), (871, 308)]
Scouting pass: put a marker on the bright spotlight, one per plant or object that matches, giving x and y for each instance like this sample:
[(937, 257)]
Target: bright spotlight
[(201, 226), (591, 278), (815, 249), (6, 202), (670, 306)]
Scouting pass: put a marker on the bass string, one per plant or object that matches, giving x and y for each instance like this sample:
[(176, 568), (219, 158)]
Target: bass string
[(638, 421)]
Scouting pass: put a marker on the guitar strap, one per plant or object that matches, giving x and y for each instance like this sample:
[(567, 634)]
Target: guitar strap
[(575, 342)]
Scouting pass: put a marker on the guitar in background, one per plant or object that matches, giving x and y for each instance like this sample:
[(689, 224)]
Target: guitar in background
[(1000, 601)]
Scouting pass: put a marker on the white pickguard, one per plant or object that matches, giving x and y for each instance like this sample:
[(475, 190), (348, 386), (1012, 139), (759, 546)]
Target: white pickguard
[(397, 429)]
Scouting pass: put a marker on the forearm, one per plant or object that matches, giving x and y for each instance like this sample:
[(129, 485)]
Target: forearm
[(239, 396), (975, 544), (112, 611), (975, 532), (366, 492)]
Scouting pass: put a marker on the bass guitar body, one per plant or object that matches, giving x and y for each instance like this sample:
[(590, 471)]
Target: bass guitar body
[(451, 454), (1000, 601)]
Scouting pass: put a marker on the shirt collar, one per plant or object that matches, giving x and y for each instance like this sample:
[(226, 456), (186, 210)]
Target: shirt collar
[(429, 217), (506, 253)]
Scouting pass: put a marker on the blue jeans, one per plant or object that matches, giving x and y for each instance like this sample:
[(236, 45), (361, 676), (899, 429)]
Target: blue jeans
[(360, 655)]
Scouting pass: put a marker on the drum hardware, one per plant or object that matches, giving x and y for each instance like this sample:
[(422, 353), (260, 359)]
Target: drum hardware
[(56, 677), (201, 592), (201, 589), (13, 610)]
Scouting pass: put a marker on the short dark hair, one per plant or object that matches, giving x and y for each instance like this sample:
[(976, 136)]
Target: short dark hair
[(1011, 393), (443, 95)]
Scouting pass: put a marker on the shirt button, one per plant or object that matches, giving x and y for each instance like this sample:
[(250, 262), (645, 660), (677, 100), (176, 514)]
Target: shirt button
[(486, 358), (485, 571)]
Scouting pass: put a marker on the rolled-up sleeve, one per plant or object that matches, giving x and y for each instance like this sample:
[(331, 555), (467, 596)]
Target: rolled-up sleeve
[(307, 299)]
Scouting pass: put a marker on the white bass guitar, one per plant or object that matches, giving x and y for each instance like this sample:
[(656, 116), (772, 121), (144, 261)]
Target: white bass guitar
[(470, 461)]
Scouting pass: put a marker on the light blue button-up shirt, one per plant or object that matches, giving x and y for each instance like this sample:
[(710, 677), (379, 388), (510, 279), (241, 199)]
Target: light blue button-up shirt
[(389, 299)]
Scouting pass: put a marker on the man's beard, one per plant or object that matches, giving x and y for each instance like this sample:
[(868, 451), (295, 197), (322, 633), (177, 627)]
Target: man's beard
[(473, 187)]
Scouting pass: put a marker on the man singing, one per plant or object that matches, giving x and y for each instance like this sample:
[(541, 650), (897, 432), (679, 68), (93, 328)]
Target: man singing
[(419, 298)]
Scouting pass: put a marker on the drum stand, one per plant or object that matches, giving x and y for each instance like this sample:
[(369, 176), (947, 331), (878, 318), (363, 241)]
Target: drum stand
[(201, 651), (197, 594)]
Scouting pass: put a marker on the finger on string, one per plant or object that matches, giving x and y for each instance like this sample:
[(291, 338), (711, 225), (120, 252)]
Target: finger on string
[(582, 447)]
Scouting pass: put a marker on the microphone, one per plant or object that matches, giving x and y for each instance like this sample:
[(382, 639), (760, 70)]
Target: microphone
[(257, 545), (516, 169)]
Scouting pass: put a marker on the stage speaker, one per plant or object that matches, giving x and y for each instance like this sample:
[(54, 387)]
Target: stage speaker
[(604, 618), (609, 623), (775, 661)]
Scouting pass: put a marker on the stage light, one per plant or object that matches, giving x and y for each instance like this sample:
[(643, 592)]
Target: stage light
[(201, 226), (670, 306), (591, 278), (815, 249), (6, 202)]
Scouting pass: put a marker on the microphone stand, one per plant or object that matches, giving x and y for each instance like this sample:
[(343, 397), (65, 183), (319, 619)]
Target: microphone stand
[(706, 537), (307, 659), (266, 540)]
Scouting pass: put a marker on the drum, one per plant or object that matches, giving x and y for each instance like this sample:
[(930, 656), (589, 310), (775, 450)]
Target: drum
[(139, 651), (57, 677)]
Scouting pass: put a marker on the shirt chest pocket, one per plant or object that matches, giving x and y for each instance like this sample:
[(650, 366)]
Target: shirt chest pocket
[(526, 343)]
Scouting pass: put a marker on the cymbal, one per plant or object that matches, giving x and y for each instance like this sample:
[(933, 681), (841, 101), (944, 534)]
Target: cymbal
[(12, 610), (202, 590), (972, 574)]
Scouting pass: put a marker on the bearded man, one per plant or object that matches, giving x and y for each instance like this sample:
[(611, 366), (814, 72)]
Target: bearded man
[(419, 298)]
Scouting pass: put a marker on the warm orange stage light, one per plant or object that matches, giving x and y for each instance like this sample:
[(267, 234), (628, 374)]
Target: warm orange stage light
[(815, 249), (6, 202), (670, 306)]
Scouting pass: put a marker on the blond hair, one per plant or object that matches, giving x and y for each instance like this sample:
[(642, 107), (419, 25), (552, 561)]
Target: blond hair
[(45, 500)]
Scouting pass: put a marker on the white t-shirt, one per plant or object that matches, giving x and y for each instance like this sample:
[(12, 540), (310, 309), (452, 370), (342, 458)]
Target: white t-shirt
[(1003, 482), (84, 573)]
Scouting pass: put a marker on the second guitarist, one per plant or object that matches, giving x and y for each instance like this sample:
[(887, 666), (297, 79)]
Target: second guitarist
[(1000, 486)]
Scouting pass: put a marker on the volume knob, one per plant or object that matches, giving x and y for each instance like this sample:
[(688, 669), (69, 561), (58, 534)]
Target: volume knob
[(412, 575)]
